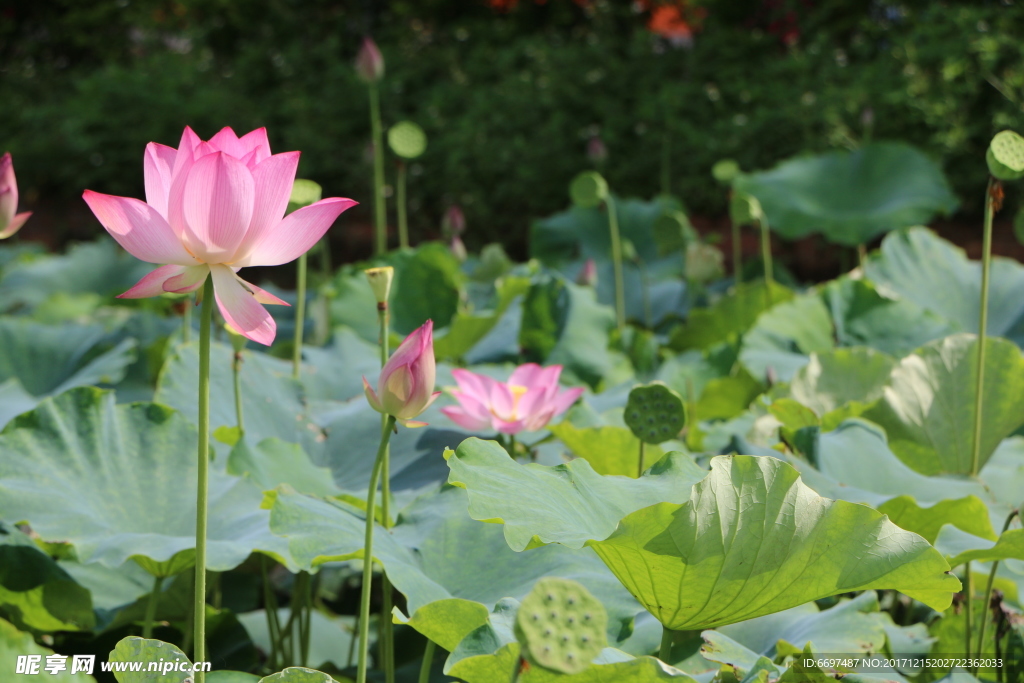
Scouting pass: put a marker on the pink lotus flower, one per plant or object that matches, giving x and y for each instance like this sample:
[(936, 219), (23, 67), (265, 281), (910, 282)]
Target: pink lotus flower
[(406, 384), (528, 401), (10, 220), (369, 62), (211, 209)]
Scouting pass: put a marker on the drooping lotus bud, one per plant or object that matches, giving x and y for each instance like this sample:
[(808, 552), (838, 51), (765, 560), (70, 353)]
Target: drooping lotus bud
[(369, 62), (588, 274), (406, 384), (380, 282), (10, 220), (454, 221), (596, 150)]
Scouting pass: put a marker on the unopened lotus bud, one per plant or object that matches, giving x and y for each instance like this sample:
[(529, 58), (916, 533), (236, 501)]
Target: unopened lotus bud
[(588, 274), (454, 221), (10, 220), (406, 384), (380, 282), (369, 62), (596, 150)]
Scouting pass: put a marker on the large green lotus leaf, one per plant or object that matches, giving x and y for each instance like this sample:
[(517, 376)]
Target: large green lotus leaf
[(329, 638), (839, 377), (568, 504), (272, 401), (729, 317), (928, 408), (118, 481), (724, 398), (639, 670), (784, 336), (135, 649), (428, 285), (563, 323), (1010, 546), (750, 530), (863, 317), (920, 266), (35, 592), (608, 449), (467, 329), (851, 197), (100, 267), (110, 588), (335, 372), (353, 304), (438, 554), (272, 462), (14, 643), (297, 674)]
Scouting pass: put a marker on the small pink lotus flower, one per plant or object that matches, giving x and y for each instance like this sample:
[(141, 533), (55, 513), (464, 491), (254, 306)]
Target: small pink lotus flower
[(588, 274), (211, 209), (454, 221), (10, 220), (406, 384), (528, 401), (369, 62)]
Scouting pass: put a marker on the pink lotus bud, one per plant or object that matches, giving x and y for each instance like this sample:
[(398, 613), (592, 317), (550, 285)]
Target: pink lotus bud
[(588, 275), (458, 249), (406, 384), (528, 401), (454, 221), (369, 62), (596, 150), (10, 220)]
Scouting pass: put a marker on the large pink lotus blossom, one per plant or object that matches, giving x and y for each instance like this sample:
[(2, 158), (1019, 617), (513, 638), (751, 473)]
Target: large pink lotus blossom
[(406, 384), (528, 401), (10, 220), (211, 209)]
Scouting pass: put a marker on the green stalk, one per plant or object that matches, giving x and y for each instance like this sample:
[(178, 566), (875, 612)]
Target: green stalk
[(300, 318), (428, 661), (186, 640), (640, 468), (620, 295), (403, 219), (154, 598), (988, 591), (737, 254), (766, 257), (862, 255), (371, 507), (386, 626), (236, 370), (379, 208), (969, 611), (203, 463), (352, 642), (666, 644), (986, 261), (270, 608)]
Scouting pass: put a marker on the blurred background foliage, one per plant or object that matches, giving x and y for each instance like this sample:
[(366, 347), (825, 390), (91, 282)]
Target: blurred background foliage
[(510, 94)]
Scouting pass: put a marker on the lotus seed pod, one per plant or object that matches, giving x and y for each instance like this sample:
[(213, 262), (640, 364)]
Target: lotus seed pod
[(561, 626), (407, 139), (380, 282), (655, 413), (725, 171), (744, 209), (588, 189), (1005, 156), (672, 231), (304, 193)]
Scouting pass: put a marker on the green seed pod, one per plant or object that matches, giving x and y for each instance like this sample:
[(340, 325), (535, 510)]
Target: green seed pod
[(1005, 156), (588, 189), (304, 193), (744, 209), (725, 171), (561, 626), (407, 139), (655, 413), (672, 232)]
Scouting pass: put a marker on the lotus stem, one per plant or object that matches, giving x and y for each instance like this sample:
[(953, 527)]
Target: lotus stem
[(737, 254), (403, 218), (236, 371), (203, 467), (270, 608), (154, 598), (386, 626), (986, 262), (371, 508), (428, 661), (620, 296), (300, 318), (352, 642), (862, 254), (640, 465), (666, 644), (766, 257), (379, 207), (969, 608), (988, 590)]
